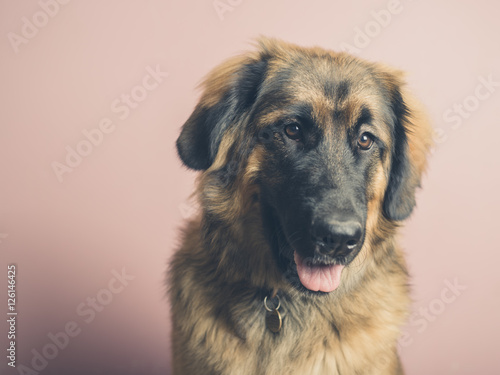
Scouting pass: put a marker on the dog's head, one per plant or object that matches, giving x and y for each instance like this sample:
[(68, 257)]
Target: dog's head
[(329, 143)]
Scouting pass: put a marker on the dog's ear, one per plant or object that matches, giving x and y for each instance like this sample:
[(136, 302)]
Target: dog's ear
[(412, 140), (228, 92)]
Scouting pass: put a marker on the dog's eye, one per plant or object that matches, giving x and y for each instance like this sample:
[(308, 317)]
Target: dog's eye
[(365, 141), (293, 131)]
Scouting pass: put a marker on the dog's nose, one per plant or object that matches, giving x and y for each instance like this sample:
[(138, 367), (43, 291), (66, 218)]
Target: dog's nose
[(337, 236)]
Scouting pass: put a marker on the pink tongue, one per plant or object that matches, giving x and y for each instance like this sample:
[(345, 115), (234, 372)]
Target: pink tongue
[(318, 278)]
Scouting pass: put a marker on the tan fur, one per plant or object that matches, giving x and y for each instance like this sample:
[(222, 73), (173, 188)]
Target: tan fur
[(216, 293)]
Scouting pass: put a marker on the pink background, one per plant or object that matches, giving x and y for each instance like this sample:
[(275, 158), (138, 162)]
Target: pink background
[(122, 205)]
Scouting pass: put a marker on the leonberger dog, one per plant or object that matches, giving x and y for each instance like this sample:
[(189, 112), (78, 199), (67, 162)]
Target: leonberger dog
[(309, 163)]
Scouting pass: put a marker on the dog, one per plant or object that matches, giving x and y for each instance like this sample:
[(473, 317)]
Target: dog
[(309, 163)]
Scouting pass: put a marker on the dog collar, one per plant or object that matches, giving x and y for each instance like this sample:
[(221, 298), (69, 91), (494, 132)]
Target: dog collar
[(274, 321)]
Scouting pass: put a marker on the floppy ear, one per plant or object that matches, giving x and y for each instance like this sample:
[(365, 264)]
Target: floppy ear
[(412, 140), (228, 92)]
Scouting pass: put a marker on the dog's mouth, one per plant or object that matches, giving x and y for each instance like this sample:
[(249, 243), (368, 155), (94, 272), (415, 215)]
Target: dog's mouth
[(318, 275), (311, 274)]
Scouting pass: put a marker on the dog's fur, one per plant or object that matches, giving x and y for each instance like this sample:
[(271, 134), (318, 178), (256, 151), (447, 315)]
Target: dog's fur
[(261, 193)]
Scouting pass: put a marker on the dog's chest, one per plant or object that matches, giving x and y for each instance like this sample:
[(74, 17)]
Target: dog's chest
[(305, 346), (290, 358)]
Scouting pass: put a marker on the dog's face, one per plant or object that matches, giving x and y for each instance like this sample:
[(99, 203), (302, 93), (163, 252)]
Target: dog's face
[(325, 138)]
